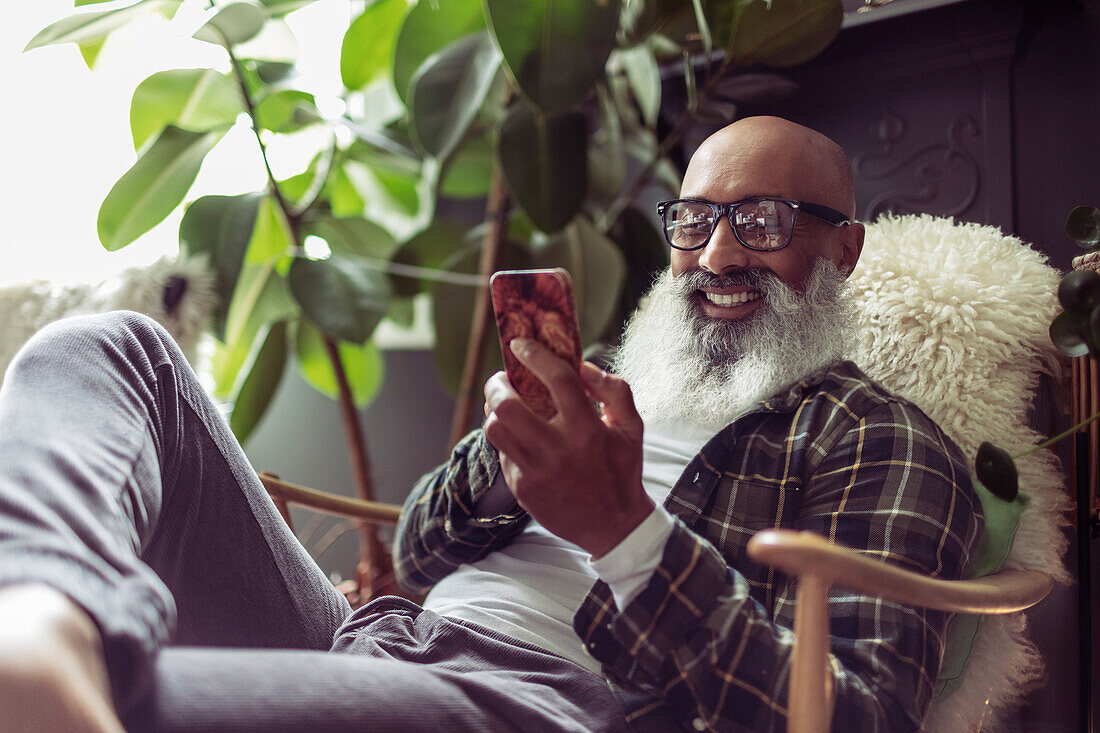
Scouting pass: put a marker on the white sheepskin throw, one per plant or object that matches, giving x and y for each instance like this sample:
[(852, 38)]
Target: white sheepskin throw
[(954, 318), (179, 294)]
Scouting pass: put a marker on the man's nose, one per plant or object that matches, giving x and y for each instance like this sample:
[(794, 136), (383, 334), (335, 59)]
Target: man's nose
[(724, 251)]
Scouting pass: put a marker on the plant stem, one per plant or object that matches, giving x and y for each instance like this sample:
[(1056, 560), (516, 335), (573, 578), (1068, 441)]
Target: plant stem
[(291, 216), (1060, 436), (374, 562), (496, 213)]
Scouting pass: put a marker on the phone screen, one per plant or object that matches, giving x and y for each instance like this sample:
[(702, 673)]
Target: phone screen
[(535, 304)]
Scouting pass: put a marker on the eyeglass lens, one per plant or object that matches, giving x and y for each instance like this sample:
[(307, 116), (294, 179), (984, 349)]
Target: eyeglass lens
[(765, 224)]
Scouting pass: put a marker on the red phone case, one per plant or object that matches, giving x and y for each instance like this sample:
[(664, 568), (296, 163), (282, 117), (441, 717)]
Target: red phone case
[(535, 304)]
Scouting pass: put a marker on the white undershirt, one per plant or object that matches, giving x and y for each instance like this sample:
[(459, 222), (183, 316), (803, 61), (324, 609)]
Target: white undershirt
[(531, 588)]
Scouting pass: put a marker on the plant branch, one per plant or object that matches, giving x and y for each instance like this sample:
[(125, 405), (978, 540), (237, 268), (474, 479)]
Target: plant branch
[(374, 562), (496, 214), (1060, 436), (292, 217)]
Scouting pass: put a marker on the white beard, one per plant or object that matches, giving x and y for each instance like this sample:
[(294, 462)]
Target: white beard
[(685, 366)]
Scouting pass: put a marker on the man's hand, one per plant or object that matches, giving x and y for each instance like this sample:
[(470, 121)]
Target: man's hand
[(580, 473)]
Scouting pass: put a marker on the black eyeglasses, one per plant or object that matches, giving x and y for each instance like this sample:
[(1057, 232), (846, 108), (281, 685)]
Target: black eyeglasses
[(763, 223)]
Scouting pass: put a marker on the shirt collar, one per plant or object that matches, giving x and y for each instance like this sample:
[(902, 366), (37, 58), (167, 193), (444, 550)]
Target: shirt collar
[(791, 396)]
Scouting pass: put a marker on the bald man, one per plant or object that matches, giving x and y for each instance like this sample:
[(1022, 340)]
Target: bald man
[(586, 572), (617, 538)]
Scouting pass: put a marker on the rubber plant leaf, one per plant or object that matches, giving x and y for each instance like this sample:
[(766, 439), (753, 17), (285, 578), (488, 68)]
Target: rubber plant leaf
[(427, 29), (362, 364), (544, 159), (154, 186), (555, 50), (448, 90), (198, 100)]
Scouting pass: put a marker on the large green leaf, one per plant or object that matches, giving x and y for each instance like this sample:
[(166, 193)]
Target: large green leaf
[(94, 25), (646, 255), (469, 172), (319, 172), (431, 248), (545, 164), (154, 186), (395, 190), (277, 8), (343, 295), (265, 370), (644, 76), (286, 110), (598, 270), (90, 51), (554, 49), (270, 72), (343, 196), (775, 32), (234, 23), (221, 227), (355, 236), (640, 19), (394, 195), (367, 50), (261, 298), (448, 90), (363, 365), (275, 44), (452, 316), (607, 161), (430, 27), (198, 100), (271, 239)]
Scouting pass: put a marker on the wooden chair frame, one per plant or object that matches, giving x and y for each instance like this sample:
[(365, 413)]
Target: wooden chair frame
[(818, 564)]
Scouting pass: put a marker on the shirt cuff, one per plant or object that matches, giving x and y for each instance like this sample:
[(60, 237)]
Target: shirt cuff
[(628, 567), (498, 501)]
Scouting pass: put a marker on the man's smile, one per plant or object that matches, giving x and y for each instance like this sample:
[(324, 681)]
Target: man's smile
[(729, 302)]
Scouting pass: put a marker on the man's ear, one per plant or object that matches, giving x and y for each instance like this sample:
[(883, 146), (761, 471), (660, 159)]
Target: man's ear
[(851, 243)]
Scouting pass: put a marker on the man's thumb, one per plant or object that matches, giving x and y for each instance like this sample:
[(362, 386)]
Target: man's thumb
[(615, 395)]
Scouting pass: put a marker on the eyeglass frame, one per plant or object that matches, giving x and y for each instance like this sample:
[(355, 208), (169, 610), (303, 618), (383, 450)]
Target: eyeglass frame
[(724, 211)]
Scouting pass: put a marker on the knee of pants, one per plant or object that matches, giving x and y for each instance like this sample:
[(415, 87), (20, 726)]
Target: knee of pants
[(79, 339)]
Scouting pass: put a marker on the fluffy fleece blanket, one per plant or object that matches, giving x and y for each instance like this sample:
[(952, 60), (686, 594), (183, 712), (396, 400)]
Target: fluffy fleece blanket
[(954, 317), (179, 294)]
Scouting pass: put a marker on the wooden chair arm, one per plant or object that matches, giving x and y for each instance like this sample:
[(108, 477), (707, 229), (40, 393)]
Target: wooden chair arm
[(818, 564), (372, 512), (805, 553)]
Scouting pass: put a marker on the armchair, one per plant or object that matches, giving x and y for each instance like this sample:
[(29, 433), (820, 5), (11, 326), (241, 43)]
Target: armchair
[(953, 317)]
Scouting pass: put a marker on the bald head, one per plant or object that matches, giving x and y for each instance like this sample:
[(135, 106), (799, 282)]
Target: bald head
[(770, 156)]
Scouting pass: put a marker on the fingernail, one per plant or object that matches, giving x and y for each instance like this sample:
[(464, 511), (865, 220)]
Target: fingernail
[(520, 346)]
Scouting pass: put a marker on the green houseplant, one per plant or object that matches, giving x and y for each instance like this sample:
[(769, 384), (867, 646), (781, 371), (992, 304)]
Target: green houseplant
[(470, 135), (1075, 332)]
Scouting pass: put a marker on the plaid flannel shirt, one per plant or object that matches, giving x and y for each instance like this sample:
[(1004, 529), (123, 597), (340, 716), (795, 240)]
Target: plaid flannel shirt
[(709, 638)]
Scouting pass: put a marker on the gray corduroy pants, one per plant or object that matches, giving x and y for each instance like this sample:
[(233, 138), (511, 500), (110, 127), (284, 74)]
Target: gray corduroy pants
[(122, 486)]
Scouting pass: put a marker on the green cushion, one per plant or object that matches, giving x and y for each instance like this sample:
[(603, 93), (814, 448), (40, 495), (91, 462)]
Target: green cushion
[(1002, 518)]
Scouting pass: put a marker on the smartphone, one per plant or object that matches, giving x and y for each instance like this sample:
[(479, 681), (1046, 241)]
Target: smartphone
[(535, 304)]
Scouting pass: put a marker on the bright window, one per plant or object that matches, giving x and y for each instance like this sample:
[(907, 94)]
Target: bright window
[(66, 136)]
